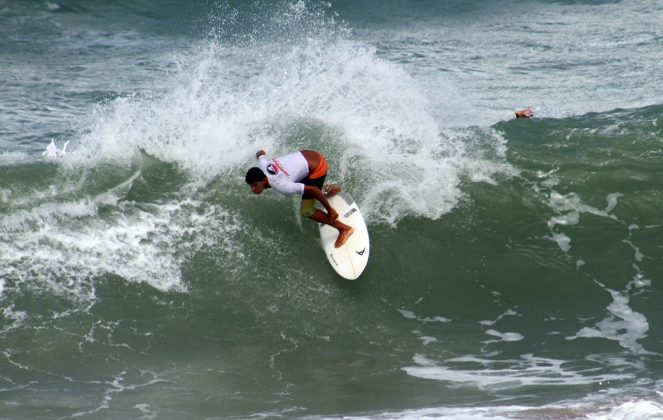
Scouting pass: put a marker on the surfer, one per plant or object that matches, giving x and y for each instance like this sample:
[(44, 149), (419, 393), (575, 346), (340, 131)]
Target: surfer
[(300, 173), (524, 113)]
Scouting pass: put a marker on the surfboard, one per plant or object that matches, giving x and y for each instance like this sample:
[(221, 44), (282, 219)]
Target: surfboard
[(350, 259)]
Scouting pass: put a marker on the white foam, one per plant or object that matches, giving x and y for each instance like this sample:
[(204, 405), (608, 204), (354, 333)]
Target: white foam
[(623, 325), (411, 315), (63, 245), (145, 411), (569, 208), (639, 256), (508, 312), (632, 410), (485, 373), (52, 151), (639, 281), (571, 218), (427, 339), (14, 157), (450, 413), (371, 118), (508, 336), (612, 201), (17, 318), (563, 241), (116, 387), (593, 408)]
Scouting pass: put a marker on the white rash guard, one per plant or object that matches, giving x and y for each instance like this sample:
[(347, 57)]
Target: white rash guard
[(285, 172)]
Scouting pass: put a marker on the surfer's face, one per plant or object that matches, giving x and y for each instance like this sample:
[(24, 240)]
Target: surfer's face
[(257, 187)]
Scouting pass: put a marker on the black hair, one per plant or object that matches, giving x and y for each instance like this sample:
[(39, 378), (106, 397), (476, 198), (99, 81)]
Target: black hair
[(253, 175)]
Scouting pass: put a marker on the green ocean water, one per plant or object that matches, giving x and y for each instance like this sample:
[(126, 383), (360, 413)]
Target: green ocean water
[(487, 303), (515, 264)]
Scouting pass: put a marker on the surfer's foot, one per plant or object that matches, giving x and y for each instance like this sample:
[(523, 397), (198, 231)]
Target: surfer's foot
[(331, 190), (343, 237)]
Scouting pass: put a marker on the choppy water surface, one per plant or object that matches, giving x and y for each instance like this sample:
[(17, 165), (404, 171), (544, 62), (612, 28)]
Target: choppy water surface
[(515, 264)]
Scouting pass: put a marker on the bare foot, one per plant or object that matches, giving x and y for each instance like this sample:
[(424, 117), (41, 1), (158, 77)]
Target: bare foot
[(343, 237), (331, 190)]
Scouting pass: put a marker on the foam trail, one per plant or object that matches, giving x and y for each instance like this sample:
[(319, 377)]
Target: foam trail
[(624, 325), (60, 239), (505, 374), (641, 409), (569, 208)]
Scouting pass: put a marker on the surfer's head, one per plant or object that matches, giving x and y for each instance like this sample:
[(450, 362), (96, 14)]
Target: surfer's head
[(257, 179)]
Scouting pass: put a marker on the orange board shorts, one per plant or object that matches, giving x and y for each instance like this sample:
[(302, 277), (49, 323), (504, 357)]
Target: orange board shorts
[(320, 170), (317, 177)]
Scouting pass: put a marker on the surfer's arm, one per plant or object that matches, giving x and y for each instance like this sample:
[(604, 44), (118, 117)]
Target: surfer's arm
[(263, 161), (318, 195)]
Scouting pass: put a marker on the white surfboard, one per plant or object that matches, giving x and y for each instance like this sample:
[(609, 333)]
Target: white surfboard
[(350, 259)]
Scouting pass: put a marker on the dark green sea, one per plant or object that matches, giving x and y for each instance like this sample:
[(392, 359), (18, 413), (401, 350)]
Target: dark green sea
[(516, 267)]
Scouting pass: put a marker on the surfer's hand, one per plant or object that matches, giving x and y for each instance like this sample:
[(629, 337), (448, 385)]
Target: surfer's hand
[(260, 153)]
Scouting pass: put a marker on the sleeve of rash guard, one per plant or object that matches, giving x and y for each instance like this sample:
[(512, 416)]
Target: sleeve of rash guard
[(287, 188), (262, 162)]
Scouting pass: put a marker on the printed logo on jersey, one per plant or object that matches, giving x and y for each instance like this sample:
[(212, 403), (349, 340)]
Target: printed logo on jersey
[(274, 167)]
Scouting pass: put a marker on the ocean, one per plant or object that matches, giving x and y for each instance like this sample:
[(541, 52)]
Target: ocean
[(516, 267)]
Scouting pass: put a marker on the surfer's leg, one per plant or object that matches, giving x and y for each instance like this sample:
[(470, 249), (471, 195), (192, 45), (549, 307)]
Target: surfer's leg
[(308, 209), (344, 231), (343, 236)]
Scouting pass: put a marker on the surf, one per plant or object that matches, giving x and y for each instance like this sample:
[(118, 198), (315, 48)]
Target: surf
[(511, 260)]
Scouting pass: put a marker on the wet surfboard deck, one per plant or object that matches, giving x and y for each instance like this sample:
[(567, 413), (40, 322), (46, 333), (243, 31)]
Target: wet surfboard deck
[(351, 258)]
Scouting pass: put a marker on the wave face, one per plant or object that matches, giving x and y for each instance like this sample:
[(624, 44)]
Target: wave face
[(515, 264)]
